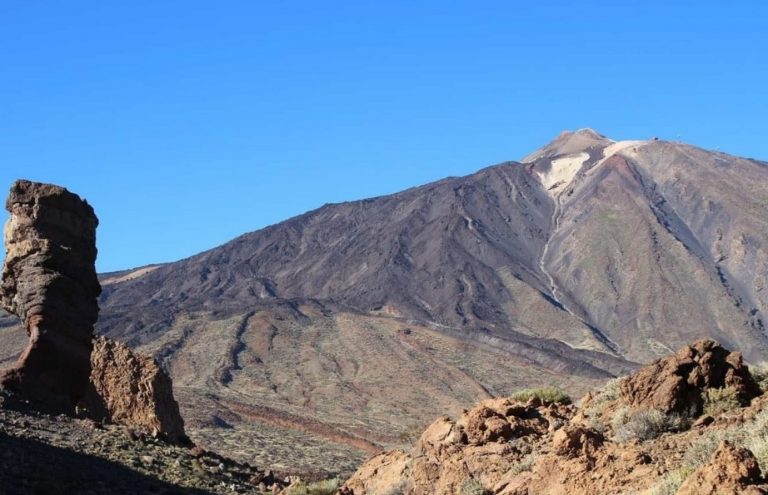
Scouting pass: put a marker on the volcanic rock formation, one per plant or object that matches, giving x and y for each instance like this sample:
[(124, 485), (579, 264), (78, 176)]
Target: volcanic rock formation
[(131, 389), (676, 383), (731, 471), (49, 281)]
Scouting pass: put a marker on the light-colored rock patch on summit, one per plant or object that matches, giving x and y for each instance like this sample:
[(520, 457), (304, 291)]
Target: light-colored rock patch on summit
[(562, 171)]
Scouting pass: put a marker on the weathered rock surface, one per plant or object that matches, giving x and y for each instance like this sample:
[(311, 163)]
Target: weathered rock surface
[(49, 281), (383, 473), (731, 471), (131, 389), (676, 383), (576, 441)]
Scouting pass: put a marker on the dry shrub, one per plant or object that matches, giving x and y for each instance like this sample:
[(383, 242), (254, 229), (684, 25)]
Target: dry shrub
[(547, 395), (720, 400), (525, 464), (324, 487), (471, 486), (645, 424), (760, 374)]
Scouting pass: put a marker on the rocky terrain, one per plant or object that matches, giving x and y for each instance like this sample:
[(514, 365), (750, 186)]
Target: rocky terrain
[(693, 423), (347, 327), (58, 454)]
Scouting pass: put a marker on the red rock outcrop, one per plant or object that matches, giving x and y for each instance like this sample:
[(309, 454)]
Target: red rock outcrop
[(676, 383), (131, 389), (506, 447), (481, 446), (49, 281), (576, 441), (731, 471), (382, 473)]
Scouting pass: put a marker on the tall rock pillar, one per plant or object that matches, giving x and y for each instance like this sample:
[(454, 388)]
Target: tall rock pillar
[(49, 281)]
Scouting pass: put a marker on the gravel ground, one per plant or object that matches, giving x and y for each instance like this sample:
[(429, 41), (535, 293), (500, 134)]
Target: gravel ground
[(42, 454)]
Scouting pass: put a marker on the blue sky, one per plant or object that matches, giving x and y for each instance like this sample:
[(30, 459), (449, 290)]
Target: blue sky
[(188, 123)]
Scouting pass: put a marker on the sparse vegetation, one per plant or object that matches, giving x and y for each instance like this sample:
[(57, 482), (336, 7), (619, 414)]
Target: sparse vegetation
[(760, 374), (700, 451), (758, 444), (324, 487), (594, 409), (753, 436), (548, 395), (645, 424), (598, 424), (720, 400), (610, 392), (471, 486), (525, 464), (671, 482)]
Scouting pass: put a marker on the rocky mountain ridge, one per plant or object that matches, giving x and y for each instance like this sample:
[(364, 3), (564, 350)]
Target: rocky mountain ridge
[(460, 251)]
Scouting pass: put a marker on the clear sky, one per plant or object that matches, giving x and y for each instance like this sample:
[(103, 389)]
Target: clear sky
[(187, 123)]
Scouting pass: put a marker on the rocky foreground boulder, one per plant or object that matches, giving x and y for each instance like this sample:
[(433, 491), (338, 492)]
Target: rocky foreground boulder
[(731, 471), (675, 383), (643, 434), (49, 281), (131, 389)]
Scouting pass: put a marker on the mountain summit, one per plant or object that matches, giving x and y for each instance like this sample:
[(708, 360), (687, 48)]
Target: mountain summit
[(354, 322)]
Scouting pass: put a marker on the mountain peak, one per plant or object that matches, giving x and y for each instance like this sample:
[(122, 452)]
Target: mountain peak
[(587, 131), (568, 142)]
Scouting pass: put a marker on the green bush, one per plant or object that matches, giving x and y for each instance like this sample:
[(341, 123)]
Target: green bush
[(548, 395), (645, 424), (471, 486), (720, 400)]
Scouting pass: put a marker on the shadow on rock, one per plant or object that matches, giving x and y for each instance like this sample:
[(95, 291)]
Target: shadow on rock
[(30, 467)]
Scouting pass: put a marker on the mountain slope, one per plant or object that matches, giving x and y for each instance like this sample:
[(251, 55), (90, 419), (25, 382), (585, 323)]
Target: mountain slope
[(347, 326)]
